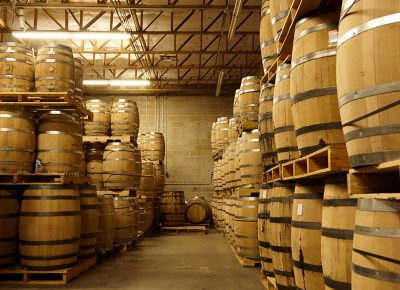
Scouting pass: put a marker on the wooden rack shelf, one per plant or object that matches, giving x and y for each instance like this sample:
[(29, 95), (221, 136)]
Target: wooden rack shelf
[(382, 180), (18, 275), (273, 174), (45, 101), (244, 261), (41, 178), (105, 139)]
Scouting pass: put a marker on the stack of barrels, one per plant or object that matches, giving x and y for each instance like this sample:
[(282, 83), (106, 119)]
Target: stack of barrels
[(312, 234), (238, 170), (152, 149)]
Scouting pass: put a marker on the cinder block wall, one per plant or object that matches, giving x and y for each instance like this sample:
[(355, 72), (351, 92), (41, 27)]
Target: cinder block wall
[(186, 124)]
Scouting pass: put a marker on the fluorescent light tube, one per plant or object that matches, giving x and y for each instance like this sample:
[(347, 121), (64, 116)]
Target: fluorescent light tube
[(122, 83), (70, 35)]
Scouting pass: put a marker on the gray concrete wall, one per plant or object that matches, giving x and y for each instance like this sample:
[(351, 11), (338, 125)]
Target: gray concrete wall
[(186, 124)]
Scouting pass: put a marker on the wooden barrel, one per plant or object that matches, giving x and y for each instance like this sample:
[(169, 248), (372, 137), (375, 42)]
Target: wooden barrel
[(235, 111), (222, 131), (338, 217), (9, 215), (285, 138), (78, 78), (281, 200), (238, 181), (263, 230), (231, 166), (278, 15), (125, 118), (147, 185), (231, 220), (246, 231), (159, 178), (219, 218), (216, 176), (315, 107), (198, 210), (376, 243), (306, 234), (250, 159), (369, 90), (146, 214), (154, 146), (172, 206), (248, 102), (267, 43), (100, 126), (54, 69), (94, 164), (224, 171), (266, 126), (126, 226), (59, 143), (49, 227), (214, 209), (17, 140), (17, 73), (89, 221), (105, 234), (232, 130), (122, 166)]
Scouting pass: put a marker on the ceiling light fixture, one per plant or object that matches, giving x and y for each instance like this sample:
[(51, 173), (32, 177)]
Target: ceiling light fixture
[(122, 83), (71, 35)]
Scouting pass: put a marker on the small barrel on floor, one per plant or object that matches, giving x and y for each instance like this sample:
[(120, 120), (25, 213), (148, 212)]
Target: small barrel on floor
[(198, 210)]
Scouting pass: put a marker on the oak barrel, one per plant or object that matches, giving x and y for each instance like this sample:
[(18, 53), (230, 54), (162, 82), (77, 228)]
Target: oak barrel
[(281, 201), (9, 216), (313, 90), (17, 71), (153, 146), (248, 102), (49, 227), (198, 210), (246, 227), (94, 164), (266, 126), (222, 134), (285, 139), (89, 221), (306, 234), (101, 123), (264, 239), (78, 78), (250, 159), (338, 217), (172, 205), (54, 69), (147, 185), (126, 223), (146, 214), (122, 166), (125, 118), (376, 245), (59, 142), (267, 42), (106, 230), (278, 15), (368, 82), (17, 140)]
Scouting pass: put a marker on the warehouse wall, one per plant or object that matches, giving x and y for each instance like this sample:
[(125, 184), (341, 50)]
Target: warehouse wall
[(186, 124)]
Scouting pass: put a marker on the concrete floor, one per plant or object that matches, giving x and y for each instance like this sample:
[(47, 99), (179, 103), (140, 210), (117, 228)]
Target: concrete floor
[(171, 262)]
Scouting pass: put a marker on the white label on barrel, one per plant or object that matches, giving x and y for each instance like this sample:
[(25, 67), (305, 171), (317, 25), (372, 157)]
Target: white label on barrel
[(333, 38), (300, 209)]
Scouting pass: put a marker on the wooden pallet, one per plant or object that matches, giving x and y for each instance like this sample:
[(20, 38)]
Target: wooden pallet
[(105, 139), (42, 178), (328, 160), (244, 261), (45, 101), (206, 224), (268, 282), (382, 180), (17, 275), (185, 229), (126, 192), (273, 174)]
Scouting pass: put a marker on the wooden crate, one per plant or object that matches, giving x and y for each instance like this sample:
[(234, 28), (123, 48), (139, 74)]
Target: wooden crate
[(18, 275), (244, 191), (381, 181), (328, 160), (41, 178), (198, 229), (45, 101)]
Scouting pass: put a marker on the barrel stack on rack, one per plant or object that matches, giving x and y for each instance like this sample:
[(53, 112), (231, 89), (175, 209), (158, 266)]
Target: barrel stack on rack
[(42, 146), (152, 149), (330, 209)]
